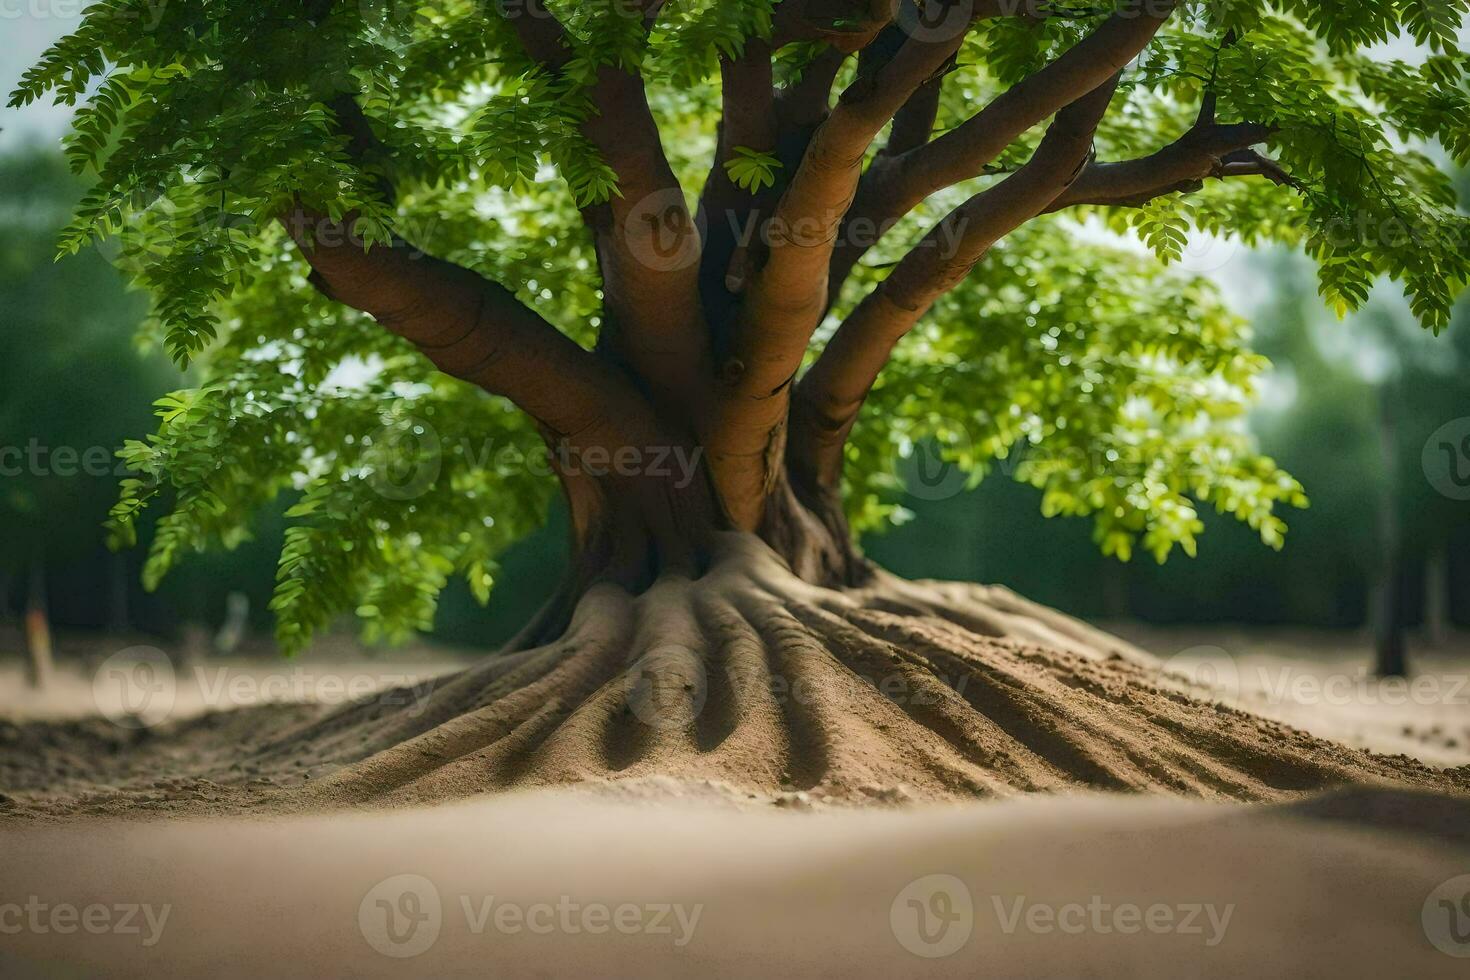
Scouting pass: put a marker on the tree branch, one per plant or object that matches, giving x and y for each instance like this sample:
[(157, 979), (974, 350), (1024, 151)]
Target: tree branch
[(646, 240), (851, 25), (1208, 151), (472, 328), (805, 103), (833, 391), (847, 25), (787, 296), (895, 185), (728, 212), (913, 123)]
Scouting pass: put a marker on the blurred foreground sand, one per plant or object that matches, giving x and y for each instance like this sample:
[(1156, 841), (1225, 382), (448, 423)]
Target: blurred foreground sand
[(1215, 891)]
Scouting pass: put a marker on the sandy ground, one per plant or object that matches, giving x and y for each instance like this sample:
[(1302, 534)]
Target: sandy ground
[(658, 879), (1321, 682), (555, 884), (337, 670)]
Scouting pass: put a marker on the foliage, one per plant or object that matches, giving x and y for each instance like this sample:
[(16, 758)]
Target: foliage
[(1087, 370), (751, 169), (1121, 404)]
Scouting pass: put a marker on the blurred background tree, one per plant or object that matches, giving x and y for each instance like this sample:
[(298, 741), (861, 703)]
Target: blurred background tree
[(1348, 409), (75, 388)]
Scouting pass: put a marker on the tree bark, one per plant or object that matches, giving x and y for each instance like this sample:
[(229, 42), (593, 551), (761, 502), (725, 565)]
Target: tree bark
[(1389, 629), (38, 629), (1437, 597)]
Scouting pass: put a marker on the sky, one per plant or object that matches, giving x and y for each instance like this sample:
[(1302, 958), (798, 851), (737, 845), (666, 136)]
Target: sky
[(27, 28)]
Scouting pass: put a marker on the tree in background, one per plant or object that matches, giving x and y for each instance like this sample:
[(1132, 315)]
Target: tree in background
[(75, 388), (422, 247), (1371, 399), (1369, 395), (1329, 384)]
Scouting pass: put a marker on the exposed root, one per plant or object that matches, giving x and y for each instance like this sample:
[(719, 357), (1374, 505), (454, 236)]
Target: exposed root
[(754, 681)]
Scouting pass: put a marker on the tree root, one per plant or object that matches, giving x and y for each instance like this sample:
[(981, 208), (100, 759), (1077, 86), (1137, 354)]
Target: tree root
[(754, 680), (756, 685)]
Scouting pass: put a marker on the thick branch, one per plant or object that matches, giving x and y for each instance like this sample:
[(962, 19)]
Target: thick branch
[(833, 391), (787, 296), (847, 25), (472, 328), (913, 123), (1203, 152), (805, 103), (851, 25), (895, 185), (728, 212), (646, 240)]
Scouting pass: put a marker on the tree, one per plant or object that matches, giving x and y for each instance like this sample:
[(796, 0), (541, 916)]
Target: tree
[(1369, 397), (63, 322), (492, 205)]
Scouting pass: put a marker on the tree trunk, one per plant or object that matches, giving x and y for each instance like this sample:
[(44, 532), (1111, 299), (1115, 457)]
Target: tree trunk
[(37, 629), (1390, 644), (1437, 598), (1389, 641), (118, 619), (780, 667)]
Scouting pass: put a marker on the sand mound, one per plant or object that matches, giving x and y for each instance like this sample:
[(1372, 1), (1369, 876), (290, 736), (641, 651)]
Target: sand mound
[(767, 689)]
